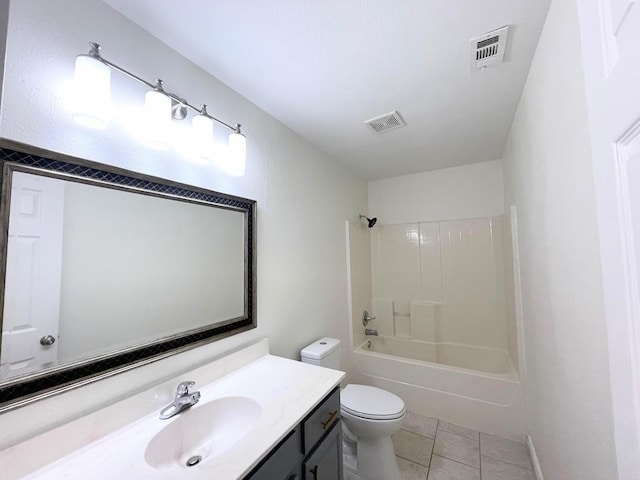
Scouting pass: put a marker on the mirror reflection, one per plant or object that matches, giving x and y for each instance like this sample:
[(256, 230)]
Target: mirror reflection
[(92, 270)]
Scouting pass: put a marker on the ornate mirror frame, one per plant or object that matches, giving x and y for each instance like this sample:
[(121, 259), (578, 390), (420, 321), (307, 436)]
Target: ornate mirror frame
[(17, 157)]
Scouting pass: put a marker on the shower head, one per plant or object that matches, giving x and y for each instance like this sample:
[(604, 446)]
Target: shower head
[(371, 221)]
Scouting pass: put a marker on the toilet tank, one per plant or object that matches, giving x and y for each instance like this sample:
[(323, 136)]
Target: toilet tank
[(324, 352)]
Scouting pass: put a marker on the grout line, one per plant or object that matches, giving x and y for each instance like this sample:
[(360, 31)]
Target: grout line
[(458, 462), (433, 447), (418, 434), (529, 468), (480, 452), (412, 461), (461, 463), (453, 459)]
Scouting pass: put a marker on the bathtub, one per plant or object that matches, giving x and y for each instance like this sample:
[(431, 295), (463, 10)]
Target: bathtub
[(475, 373)]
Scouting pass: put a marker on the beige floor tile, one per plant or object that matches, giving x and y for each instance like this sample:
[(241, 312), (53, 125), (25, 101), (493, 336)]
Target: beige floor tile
[(411, 470), (415, 448), (505, 450), (444, 469), (425, 426), (458, 430), (458, 448), (493, 469)]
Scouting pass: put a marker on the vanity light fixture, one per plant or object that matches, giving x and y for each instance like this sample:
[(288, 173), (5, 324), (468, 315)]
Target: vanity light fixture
[(92, 91), (93, 105), (157, 115), (236, 156)]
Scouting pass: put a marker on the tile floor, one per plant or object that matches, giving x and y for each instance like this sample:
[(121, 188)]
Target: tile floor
[(428, 449)]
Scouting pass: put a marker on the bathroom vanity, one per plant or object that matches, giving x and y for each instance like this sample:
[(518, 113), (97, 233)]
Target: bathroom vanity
[(259, 417), (313, 450), (173, 273)]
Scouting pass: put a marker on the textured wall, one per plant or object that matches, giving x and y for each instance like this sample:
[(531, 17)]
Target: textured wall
[(303, 196), (449, 194), (548, 176)]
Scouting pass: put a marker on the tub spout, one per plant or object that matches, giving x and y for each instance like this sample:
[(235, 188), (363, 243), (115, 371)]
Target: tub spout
[(371, 331)]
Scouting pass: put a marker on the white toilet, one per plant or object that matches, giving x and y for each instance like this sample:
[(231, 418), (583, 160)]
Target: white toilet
[(370, 416)]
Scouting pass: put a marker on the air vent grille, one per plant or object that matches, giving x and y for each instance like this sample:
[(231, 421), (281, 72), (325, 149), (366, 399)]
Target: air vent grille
[(488, 49), (384, 123)]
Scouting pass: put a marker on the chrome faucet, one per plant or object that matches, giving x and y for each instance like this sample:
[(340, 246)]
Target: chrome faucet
[(184, 399), (371, 331)]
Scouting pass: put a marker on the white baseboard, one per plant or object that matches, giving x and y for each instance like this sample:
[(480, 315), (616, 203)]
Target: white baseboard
[(534, 459)]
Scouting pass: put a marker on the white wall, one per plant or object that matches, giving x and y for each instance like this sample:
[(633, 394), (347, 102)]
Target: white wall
[(454, 193), (4, 19), (548, 176), (303, 196)]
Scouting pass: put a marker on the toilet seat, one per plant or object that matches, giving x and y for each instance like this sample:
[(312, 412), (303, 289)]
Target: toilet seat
[(371, 403)]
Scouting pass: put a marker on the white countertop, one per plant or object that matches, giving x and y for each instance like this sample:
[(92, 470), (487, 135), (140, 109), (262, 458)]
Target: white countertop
[(286, 391)]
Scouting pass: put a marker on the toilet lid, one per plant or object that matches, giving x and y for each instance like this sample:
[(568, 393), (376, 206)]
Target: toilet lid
[(371, 402)]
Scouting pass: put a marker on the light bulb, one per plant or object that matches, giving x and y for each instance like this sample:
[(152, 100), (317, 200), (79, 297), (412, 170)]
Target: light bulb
[(157, 113), (236, 154), (92, 89), (203, 136)]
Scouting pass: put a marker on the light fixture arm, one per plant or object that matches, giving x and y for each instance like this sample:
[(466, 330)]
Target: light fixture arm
[(94, 52)]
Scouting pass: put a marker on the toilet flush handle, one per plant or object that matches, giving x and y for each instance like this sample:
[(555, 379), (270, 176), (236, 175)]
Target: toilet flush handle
[(366, 318)]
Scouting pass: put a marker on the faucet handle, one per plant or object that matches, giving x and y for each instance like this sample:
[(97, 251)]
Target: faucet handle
[(184, 387), (366, 318)]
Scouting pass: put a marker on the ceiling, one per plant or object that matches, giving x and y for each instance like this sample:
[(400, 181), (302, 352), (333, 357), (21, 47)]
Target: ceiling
[(324, 67)]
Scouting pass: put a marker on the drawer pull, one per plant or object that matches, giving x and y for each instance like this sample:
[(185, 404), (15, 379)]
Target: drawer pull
[(329, 421), (314, 470)]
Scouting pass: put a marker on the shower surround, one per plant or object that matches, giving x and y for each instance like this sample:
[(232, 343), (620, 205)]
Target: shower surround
[(442, 294), (443, 283)]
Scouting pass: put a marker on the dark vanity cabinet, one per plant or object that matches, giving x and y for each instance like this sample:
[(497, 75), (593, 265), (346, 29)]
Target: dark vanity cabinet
[(325, 461), (312, 451)]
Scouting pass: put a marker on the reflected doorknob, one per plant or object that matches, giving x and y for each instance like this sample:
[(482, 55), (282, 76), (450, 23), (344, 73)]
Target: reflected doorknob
[(48, 340)]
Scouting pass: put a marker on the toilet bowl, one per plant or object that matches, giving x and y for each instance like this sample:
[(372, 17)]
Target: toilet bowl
[(370, 417)]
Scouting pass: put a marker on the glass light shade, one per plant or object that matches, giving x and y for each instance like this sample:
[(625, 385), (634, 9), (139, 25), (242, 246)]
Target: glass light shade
[(157, 115), (237, 154), (92, 90), (203, 136)]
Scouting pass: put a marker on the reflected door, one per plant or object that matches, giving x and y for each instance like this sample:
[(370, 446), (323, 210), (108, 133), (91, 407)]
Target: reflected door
[(34, 259)]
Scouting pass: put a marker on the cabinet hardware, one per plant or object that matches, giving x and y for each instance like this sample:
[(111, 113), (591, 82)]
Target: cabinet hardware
[(329, 421)]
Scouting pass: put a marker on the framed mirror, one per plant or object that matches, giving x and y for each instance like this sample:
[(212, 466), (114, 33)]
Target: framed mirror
[(104, 269)]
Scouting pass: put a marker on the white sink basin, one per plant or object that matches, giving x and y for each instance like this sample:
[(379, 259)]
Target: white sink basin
[(205, 431)]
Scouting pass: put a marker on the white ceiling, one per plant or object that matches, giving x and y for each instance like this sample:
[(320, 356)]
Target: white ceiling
[(323, 67)]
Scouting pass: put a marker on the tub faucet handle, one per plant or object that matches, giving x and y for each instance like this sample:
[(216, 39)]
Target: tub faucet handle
[(366, 318)]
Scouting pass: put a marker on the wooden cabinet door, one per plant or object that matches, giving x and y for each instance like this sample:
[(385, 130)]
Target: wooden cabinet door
[(325, 462), (283, 463)]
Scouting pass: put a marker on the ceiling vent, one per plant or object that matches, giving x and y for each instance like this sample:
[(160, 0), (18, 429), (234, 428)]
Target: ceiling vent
[(384, 123), (488, 49)]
